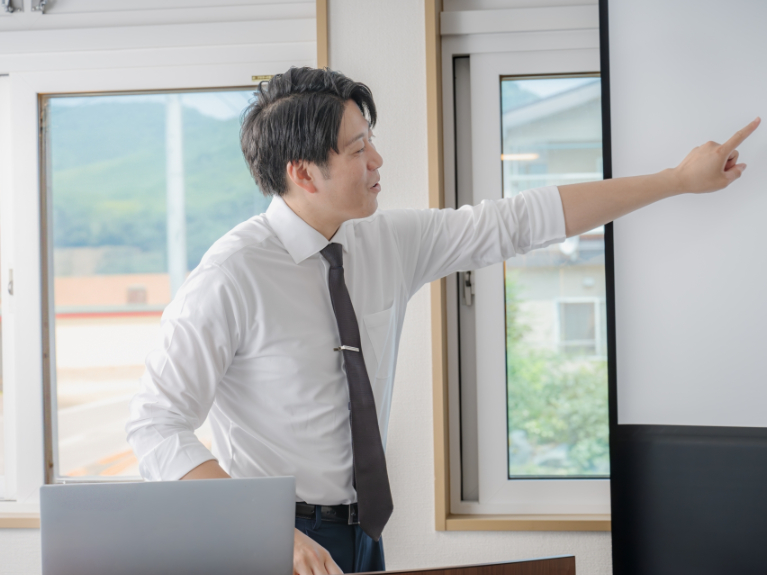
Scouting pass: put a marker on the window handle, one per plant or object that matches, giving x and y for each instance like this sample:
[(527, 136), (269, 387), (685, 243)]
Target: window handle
[(468, 287), (8, 5), (10, 282), (343, 347)]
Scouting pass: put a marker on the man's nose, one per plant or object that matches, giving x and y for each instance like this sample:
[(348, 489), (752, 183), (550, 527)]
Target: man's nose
[(376, 160)]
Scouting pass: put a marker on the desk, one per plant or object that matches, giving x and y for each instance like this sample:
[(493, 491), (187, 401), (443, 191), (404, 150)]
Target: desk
[(546, 566)]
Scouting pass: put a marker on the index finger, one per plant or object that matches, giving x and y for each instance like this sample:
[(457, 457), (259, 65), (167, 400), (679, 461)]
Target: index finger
[(740, 136)]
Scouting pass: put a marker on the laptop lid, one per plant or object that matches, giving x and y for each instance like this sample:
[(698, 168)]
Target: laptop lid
[(228, 526)]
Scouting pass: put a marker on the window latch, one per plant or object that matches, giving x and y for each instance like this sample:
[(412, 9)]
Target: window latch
[(468, 287), (348, 347)]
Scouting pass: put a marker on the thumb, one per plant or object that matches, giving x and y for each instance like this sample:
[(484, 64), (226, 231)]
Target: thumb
[(735, 172)]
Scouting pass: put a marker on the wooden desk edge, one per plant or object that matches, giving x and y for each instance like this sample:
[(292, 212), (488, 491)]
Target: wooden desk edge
[(563, 564), (528, 523)]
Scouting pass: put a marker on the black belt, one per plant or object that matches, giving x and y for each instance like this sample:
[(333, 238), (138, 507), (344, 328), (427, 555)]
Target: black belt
[(335, 513)]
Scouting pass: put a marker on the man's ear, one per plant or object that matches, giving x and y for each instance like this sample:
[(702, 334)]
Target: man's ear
[(299, 173)]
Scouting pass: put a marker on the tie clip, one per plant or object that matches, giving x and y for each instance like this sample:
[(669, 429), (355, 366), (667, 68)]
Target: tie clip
[(346, 347)]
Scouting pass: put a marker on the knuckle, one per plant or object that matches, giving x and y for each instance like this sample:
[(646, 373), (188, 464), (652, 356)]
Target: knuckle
[(307, 555)]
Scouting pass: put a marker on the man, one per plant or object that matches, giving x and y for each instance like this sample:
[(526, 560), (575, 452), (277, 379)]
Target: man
[(287, 332)]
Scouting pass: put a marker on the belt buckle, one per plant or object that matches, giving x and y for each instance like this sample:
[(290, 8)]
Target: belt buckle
[(353, 519)]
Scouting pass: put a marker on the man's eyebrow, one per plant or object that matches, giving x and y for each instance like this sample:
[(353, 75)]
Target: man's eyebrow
[(357, 137)]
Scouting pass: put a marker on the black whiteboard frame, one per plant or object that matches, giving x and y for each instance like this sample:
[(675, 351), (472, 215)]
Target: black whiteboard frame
[(684, 499)]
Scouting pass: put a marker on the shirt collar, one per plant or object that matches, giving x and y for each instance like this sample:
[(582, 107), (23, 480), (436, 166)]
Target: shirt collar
[(299, 238)]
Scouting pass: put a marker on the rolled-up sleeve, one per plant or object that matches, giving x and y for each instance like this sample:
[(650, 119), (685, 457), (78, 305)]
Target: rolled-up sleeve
[(200, 335), (435, 243)]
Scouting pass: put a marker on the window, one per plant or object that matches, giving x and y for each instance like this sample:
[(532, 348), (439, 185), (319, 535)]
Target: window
[(51, 318), (526, 342), (556, 372), (582, 325), (138, 188)]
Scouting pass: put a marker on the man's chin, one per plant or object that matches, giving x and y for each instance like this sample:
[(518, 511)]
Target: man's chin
[(369, 210), (364, 211)]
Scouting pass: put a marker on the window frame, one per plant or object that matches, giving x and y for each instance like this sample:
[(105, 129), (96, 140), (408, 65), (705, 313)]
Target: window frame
[(498, 494), (460, 38), (6, 485), (22, 190)]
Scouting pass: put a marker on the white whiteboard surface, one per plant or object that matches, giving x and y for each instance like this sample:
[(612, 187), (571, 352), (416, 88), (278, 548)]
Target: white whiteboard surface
[(690, 271)]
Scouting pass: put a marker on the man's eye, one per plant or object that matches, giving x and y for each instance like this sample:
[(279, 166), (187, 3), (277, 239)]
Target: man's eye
[(361, 150)]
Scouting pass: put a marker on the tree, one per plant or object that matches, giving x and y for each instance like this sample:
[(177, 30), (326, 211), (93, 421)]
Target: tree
[(557, 405)]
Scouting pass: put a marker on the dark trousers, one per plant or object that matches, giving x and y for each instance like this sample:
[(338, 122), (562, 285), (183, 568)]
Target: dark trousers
[(349, 546)]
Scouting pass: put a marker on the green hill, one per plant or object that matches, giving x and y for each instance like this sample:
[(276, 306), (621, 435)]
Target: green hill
[(108, 181)]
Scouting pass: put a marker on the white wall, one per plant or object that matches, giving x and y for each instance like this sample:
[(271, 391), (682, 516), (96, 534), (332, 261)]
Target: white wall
[(382, 43), (20, 552)]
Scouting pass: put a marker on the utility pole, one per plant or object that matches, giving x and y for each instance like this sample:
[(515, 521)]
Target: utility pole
[(176, 208)]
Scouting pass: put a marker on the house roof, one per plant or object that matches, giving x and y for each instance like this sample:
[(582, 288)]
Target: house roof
[(552, 105)]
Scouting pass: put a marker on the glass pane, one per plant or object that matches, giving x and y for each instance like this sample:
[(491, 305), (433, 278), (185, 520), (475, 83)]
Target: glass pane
[(555, 297), (140, 187)]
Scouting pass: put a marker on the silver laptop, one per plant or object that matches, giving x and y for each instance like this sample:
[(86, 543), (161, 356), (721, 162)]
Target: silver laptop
[(226, 526)]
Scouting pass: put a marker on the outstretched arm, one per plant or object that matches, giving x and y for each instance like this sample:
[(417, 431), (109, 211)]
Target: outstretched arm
[(707, 168)]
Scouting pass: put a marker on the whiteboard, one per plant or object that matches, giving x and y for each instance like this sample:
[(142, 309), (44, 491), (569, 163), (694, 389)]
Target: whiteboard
[(690, 271)]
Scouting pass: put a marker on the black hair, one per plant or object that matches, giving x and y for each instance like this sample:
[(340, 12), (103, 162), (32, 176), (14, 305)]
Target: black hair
[(296, 116)]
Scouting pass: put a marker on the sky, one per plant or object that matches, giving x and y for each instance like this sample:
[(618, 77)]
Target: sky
[(222, 105), (545, 87)]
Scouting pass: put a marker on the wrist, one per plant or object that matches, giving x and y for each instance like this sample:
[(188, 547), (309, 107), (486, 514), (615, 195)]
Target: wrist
[(671, 183)]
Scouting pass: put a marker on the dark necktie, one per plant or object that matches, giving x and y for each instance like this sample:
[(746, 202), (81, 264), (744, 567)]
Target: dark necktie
[(374, 502)]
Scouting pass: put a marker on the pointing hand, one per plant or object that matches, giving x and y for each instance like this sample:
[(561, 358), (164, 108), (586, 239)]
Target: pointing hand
[(713, 166)]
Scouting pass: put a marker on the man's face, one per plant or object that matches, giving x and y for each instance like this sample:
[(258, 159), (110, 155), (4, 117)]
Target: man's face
[(351, 187)]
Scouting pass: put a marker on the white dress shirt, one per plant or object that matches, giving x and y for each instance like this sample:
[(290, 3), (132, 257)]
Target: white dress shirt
[(249, 337)]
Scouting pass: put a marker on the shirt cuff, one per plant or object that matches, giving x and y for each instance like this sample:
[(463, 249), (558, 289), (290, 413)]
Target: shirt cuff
[(174, 457), (546, 216)]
